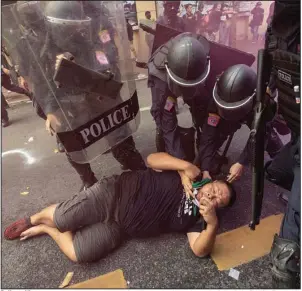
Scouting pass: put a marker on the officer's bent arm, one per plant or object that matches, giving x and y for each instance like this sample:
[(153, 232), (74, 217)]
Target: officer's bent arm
[(207, 146), (202, 243), (164, 161)]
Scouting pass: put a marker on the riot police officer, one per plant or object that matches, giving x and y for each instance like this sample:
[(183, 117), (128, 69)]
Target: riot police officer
[(90, 40), (283, 43), (179, 68), (100, 52), (231, 107)]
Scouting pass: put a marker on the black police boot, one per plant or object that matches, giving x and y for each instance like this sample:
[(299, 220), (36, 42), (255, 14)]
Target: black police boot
[(285, 257), (187, 139), (128, 156), (159, 141)]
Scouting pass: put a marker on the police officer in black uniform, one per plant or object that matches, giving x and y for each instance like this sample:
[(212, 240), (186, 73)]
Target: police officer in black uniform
[(283, 42), (179, 68), (231, 107)]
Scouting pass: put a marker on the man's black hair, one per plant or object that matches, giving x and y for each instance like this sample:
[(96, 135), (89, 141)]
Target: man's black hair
[(147, 12), (233, 195)]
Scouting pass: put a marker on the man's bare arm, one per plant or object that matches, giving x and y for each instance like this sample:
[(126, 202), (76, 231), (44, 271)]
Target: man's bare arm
[(164, 161), (202, 243)]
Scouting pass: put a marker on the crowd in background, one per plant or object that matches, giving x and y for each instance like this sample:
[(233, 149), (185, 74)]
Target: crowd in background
[(215, 23)]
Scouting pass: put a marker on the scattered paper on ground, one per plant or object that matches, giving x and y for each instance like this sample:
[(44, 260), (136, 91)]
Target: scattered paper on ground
[(234, 274), (228, 252), (31, 139), (24, 193), (111, 280), (56, 151), (66, 280)]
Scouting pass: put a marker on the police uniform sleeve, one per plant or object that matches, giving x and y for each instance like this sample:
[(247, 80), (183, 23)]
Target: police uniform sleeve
[(207, 144), (246, 154)]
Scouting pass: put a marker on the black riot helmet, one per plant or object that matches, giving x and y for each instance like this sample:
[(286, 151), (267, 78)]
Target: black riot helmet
[(67, 23), (30, 14), (171, 8), (234, 92), (188, 64)]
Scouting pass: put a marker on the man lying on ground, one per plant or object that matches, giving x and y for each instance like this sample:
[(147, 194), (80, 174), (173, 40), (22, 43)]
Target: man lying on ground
[(146, 203)]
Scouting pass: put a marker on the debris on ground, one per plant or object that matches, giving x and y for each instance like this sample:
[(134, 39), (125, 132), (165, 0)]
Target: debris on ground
[(66, 280), (234, 274), (56, 151), (24, 193), (31, 139)]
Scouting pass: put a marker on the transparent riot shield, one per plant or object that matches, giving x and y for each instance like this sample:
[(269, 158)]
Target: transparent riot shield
[(75, 58)]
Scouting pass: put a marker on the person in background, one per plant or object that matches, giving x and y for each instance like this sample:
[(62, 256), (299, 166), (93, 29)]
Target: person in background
[(149, 37), (258, 15), (270, 14), (200, 20), (214, 21), (189, 19), (225, 25), (130, 37), (7, 84)]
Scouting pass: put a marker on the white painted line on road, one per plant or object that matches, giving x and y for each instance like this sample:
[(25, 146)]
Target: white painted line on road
[(29, 159), (145, 108)]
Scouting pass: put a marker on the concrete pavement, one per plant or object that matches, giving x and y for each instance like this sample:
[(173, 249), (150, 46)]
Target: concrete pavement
[(163, 262)]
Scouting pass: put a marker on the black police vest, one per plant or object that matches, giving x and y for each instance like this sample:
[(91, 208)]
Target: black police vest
[(285, 49)]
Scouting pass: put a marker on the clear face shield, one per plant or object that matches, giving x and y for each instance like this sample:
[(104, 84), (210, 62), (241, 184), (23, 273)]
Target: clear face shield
[(69, 33)]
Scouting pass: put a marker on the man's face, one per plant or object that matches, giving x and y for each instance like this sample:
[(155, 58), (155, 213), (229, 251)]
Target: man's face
[(189, 9), (148, 15), (217, 191)]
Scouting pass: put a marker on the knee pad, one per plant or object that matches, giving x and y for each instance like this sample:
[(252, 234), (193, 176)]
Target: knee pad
[(285, 257)]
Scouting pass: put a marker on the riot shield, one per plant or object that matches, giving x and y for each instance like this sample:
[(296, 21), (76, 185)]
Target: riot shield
[(75, 58), (221, 56)]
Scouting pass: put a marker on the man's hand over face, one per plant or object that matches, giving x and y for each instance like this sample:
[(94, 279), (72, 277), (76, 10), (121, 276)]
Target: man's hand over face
[(235, 172), (208, 212), (192, 171)]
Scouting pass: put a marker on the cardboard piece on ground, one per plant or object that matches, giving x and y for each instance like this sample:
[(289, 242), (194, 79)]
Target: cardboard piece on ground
[(111, 280), (243, 245)]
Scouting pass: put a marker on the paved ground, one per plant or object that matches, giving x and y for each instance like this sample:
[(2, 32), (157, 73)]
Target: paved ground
[(164, 262)]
